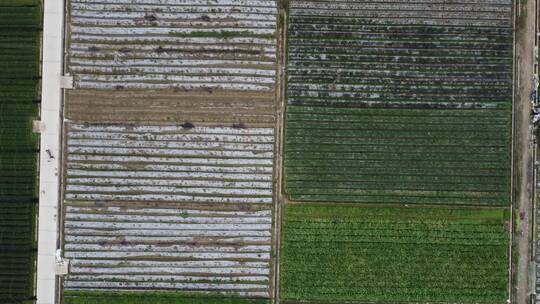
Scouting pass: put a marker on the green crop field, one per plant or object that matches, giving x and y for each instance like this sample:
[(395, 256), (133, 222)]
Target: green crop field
[(394, 103), (20, 27), (150, 297), (394, 255)]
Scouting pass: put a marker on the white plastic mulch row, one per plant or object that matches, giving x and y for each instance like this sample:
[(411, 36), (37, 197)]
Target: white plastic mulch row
[(168, 208), (168, 249), (170, 44)]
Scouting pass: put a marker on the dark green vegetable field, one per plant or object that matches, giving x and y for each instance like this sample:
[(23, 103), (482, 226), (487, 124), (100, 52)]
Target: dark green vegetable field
[(20, 27), (399, 102), (394, 255)]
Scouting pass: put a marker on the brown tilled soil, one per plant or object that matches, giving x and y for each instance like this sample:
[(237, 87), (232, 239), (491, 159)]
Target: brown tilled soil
[(253, 109)]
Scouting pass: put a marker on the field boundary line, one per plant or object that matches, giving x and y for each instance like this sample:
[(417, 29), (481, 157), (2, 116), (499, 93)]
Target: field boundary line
[(514, 72), (511, 279), (534, 218), (399, 205), (534, 226), (280, 126)]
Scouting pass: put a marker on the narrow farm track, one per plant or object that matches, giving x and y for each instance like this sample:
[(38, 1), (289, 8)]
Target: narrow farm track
[(279, 130), (523, 137)]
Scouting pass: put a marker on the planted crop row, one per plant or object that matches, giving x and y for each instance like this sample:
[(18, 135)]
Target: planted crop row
[(97, 297), (394, 255), (19, 64), (375, 104)]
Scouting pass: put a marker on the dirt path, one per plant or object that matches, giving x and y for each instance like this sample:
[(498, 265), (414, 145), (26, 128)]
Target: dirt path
[(278, 159), (523, 152)]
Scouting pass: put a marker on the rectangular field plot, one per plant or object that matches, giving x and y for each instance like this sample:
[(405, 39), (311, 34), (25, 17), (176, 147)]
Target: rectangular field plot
[(399, 102), (200, 165), (178, 248), (158, 44), (19, 77), (394, 255), (169, 209), (152, 60)]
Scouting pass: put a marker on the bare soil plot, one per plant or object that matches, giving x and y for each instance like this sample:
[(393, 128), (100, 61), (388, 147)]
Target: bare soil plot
[(165, 107)]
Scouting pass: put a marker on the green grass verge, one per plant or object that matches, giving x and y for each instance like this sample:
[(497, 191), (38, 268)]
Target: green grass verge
[(99, 297)]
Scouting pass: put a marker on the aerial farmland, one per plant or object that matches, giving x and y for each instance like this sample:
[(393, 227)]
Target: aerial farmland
[(407, 104), (415, 98), (267, 152), (19, 62), (169, 146)]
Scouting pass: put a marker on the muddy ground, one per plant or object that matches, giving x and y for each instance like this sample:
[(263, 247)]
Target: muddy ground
[(220, 107)]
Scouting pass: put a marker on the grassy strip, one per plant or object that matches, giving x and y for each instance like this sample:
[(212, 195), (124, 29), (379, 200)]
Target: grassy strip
[(102, 297), (19, 62)]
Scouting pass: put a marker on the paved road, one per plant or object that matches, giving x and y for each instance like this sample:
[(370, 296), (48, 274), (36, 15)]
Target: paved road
[(50, 150)]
